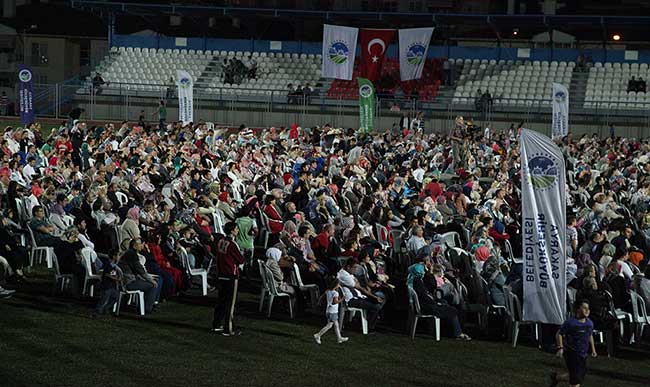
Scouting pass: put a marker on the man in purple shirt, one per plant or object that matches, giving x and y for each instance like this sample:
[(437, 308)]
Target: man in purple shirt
[(574, 342)]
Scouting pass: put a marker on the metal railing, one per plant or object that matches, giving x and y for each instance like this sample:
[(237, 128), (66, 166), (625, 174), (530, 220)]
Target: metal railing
[(264, 107)]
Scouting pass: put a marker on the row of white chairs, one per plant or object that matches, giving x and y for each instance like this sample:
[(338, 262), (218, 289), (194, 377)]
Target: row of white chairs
[(231, 53)]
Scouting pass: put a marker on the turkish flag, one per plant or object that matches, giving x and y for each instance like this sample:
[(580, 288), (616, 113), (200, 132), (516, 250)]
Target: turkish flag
[(374, 44)]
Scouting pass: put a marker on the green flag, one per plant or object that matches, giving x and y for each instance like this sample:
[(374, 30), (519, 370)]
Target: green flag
[(366, 105)]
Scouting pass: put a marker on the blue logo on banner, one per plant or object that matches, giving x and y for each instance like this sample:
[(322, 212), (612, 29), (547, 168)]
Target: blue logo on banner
[(185, 82), (415, 54), (560, 96), (26, 95), (543, 171), (338, 52)]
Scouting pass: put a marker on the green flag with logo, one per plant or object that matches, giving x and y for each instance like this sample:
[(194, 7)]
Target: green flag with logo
[(366, 105)]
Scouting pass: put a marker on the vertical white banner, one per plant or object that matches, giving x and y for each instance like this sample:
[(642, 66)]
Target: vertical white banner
[(543, 183), (413, 47), (339, 50), (185, 86), (560, 102)]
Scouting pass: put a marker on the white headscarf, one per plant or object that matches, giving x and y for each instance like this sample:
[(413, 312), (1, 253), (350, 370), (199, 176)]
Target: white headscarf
[(274, 253)]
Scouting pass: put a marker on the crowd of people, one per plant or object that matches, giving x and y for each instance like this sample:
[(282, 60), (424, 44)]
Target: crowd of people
[(234, 71), (636, 85), (361, 216)]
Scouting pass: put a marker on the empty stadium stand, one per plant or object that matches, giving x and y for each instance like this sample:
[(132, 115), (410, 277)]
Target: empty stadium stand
[(154, 70), (607, 86), (517, 83)]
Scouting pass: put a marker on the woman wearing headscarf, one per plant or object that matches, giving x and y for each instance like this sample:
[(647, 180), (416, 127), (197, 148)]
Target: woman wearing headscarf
[(430, 305), (130, 228), (85, 156), (274, 259)]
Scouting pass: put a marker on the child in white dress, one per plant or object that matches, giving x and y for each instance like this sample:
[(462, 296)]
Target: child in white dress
[(332, 313)]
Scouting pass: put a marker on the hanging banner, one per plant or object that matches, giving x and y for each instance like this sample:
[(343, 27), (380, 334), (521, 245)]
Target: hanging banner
[(366, 105), (560, 102), (543, 184), (339, 50), (374, 44), (26, 94), (413, 47), (185, 86)]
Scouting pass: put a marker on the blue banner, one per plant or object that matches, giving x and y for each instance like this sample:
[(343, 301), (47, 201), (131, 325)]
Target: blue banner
[(26, 94)]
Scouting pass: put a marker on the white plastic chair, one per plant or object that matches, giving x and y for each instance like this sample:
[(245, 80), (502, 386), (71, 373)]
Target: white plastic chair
[(382, 236), (416, 313), (90, 278), (202, 273), (39, 253), (344, 308), (451, 239), (639, 315), (218, 221), (513, 308), (122, 198), (270, 291), (312, 289), (63, 279), (139, 299)]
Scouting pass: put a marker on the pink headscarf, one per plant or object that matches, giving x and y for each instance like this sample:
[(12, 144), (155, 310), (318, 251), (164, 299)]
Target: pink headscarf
[(482, 253), (134, 214)]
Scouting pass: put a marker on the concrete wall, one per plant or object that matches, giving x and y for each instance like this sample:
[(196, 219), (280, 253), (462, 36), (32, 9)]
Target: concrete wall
[(438, 121)]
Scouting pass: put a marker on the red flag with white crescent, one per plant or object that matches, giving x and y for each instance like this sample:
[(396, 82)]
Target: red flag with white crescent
[(374, 44)]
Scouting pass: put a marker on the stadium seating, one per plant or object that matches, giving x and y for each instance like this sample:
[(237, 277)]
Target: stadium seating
[(427, 86), (520, 83), (153, 70), (150, 69), (607, 86)]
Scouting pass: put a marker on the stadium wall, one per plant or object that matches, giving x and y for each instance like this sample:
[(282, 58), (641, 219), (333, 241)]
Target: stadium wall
[(436, 121), (496, 53)]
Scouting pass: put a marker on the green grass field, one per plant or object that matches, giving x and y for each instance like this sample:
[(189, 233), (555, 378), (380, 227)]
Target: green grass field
[(53, 341)]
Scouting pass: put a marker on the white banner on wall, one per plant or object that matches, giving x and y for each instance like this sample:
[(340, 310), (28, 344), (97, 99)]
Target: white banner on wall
[(543, 228), (185, 86)]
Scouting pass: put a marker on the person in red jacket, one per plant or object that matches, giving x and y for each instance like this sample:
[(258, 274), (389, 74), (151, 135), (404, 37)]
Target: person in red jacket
[(229, 258), (156, 251), (275, 219)]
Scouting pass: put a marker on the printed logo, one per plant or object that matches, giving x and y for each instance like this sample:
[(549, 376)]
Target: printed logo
[(560, 96), (25, 75), (365, 91), (338, 52), (542, 171), (415, 54), (185, 82)]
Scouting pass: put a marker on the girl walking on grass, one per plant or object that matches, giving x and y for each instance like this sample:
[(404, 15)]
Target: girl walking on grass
[(332, 312)]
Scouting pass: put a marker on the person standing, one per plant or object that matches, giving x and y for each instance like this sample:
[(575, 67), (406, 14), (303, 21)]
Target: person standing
[(162, 116), (574, 341), (229, 258), (332, 312)]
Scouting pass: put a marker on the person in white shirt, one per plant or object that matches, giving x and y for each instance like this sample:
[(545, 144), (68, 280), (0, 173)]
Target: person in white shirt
[(89, 246), (332, 312), (357, 296), (28, 170), (416, 241)]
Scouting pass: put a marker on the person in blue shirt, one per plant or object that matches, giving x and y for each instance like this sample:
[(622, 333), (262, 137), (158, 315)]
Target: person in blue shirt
[(575, 342)]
